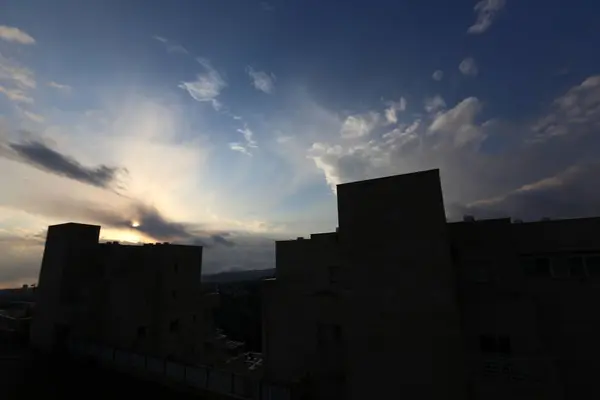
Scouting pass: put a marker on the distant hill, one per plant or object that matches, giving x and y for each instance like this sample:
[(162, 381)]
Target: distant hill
[(18, 294), (239, 276)]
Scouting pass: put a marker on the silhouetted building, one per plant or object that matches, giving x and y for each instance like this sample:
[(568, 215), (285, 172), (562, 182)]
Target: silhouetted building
[(398, 302), (141, 298)]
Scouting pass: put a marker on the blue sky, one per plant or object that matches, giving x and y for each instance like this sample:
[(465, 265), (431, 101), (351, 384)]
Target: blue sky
[(229, 123)]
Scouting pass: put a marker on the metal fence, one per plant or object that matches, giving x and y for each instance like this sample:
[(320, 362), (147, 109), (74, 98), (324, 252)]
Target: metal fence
[(203, 378)]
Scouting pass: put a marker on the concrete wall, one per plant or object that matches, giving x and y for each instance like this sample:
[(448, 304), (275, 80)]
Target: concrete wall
[(414, 300), (404, 332), (144, 298)]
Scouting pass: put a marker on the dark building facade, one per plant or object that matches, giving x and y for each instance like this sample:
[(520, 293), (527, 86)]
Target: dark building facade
[(398, 302)]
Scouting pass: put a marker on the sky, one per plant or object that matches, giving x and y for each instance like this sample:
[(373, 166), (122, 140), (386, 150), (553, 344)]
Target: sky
[(229, 123)]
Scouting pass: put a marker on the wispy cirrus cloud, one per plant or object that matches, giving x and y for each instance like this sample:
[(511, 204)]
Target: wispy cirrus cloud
[(59, 86), (16, 35), (33, 116), (487, 11), (17, 74), (207, 86), (261, 80), (170, 46), (468, 67), (16, 95), (248, 143)]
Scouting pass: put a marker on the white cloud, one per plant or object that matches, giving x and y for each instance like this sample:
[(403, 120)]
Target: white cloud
[(59, 86), (16, 74), (16, 95), (261, 80), (438, 75), (459, 122), (236, 146), (33, 116), (170, 46), (521, 178), (391, 112), (577, 111), (249, 142), (12, 34), (487, 11), (435, 103), (207, 86), (468, 66), (356, 126)]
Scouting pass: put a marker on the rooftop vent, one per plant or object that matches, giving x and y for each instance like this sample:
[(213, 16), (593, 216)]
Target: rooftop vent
[(468, 218), (300, 238), (518, 221), (545, 219)]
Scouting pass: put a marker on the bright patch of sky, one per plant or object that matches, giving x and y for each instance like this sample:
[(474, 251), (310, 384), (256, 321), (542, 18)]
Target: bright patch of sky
[(230, 123)]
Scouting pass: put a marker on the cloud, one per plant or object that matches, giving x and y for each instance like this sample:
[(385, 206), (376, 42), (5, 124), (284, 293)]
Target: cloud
[(261, 80), (576, 111), (33, 116), (438, 75), (17, 74), (16, 95), (207, 86), (522, 178), (39, 155), (459, 122), (567, 194), (391, 112), (171, 47), (435, 103), (59, 86), (486, 10), (20, 261), (11, 34), (249, 142), (356, 126), (468, 66)]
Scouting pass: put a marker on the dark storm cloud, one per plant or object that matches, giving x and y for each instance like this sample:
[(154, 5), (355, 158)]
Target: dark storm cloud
[(39, 155)]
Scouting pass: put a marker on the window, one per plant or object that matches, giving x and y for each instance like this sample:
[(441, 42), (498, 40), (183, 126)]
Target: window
[(494, 344), (576, 267), (592, 265), (174, 326), (560, 270), (333, 272), (487, 343), (536, 266), (328, 335), (175, 268), (194, 318), (174, 294), (503, 344), (141, 332)]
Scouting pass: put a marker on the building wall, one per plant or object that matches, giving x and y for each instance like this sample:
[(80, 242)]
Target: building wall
[(142, 298), (414, 299), (404, 331), (63, 260)]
